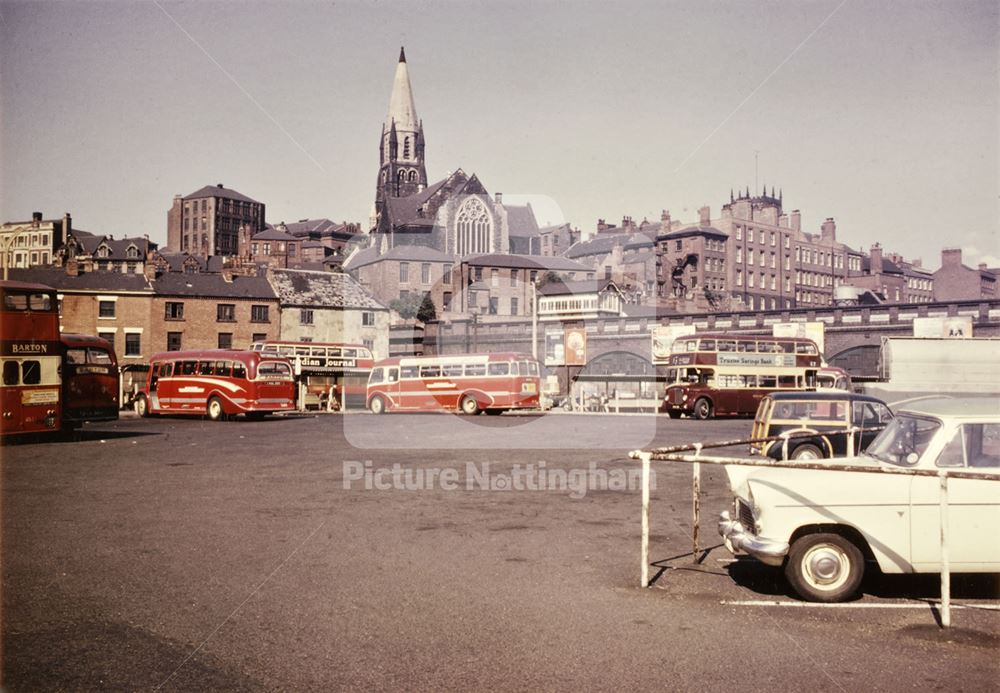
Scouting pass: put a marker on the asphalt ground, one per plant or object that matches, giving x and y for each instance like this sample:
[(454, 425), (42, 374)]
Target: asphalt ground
[(180, 554)]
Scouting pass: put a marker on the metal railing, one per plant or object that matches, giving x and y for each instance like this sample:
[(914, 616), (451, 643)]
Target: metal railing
[(677, 454)]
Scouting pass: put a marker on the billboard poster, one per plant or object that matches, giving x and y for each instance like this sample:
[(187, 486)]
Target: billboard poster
[(808, 330), (959, 326), (576, 346), (555, 350), (663, 337)]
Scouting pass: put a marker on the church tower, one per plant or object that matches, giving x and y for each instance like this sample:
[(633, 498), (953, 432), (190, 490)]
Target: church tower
[(401, 148)]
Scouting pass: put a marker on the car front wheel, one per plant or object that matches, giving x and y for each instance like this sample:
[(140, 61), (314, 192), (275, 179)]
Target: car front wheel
[(824, 567)]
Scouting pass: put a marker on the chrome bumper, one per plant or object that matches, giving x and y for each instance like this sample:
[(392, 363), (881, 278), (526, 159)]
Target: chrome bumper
[(739, 540)]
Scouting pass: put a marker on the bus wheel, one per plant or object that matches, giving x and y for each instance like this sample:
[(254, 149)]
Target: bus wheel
[(806, 451), (703, 409), (377, 405), (142, 406), (470, 406), (215, 410)]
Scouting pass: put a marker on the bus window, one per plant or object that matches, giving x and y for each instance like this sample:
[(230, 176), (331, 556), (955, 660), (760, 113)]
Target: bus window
[(16, 302), (691, 345), (239, 370), (514, 369), (430, 371), (499, 368), (787, 347), (271, 369), (350, 353), (707, 345), (786, 381), (727, 345), (376, 377), (166, 369), (745, 346), (11, 372), (76, 356), (451, 370), (40, 302), (805, 348), (99, 356), (187, 367), (532, 367), (393, 375), (767, 381), (475, 369), (31, 373), (224, 368), (206, 368), (408, 372)]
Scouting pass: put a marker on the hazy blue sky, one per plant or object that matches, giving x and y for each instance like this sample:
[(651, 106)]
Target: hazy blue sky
[(882, 115)]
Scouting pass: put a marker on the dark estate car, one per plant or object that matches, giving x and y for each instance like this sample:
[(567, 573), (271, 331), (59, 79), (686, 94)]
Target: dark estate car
[(840, 423)]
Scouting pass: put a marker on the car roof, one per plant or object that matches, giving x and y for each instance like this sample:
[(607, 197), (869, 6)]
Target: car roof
[(975, 407), (823, 396)]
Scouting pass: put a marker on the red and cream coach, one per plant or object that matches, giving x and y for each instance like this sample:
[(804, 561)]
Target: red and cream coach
[(217, 383), (469, 383)]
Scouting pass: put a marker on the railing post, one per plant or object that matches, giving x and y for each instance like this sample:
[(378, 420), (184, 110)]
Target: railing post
[(695, 504), (644, 551), (945, 561)]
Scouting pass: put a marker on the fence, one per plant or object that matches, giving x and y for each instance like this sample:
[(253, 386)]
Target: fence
[(675, 454)]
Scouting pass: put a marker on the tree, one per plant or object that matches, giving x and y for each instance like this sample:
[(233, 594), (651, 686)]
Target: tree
[(407, 306), (427, 312), (414, 305)]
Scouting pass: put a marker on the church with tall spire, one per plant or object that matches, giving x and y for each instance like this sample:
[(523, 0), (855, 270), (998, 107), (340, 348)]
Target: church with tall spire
[(401, 147), (455, 215)]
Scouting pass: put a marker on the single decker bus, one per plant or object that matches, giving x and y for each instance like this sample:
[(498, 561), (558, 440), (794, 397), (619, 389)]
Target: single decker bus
[(470, 384)]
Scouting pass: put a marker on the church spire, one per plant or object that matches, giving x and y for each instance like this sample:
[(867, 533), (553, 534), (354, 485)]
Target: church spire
[(401, 108), (402, 55)]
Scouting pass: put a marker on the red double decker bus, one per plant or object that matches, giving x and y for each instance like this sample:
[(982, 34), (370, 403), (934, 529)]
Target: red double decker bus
[(217, 383), (331, 374), (469, 384), (725, 375), (90, 380), (30, 359)]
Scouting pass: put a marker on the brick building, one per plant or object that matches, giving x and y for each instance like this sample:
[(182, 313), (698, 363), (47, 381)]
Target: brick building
[(111, 305), (955, 281), (92, 253), (212, 311), (402, 270), (208, 221)]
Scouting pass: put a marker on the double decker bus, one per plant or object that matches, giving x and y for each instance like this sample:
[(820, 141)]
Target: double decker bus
[(218, 383), (470, 384), (725, 375), (331, 374), (90, 380), (30, 359)]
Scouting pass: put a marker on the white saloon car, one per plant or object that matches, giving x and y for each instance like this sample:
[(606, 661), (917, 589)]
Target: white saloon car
[(824, 525)]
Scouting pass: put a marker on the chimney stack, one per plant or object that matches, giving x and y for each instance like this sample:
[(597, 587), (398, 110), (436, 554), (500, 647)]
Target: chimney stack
[(875, 264), (828, 232), (796, 220), (499, 198), (705, 216), (951, 257)]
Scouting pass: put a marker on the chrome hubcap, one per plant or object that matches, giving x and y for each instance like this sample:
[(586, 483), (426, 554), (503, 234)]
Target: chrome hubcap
[(825, 566)]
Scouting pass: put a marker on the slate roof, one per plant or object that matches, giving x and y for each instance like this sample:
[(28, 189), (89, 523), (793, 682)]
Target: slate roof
[(211, 285), (888, 266), (558, 264), (273, 234), (576, 287), (521, 220), (321, 289), (605, 243), (317, 228), (403, 210), (89, 243), (403, 253), (688, 231), (90, 281), (219, 191)]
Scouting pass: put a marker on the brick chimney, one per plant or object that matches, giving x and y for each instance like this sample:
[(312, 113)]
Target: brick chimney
[(796, 220), (951, 257), (36, 219), (875, 260), (72, 267), (705, 216), (499, 198), (828, 231)]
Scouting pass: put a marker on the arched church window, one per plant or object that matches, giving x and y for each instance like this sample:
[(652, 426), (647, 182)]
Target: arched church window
[(401, 176), (473, 228), (413, 176)]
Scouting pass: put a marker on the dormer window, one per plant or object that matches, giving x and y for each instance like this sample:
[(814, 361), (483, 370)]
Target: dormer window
[(132, 252), (103, 251)]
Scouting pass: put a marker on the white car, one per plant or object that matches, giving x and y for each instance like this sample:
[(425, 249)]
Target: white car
[(824, 525)]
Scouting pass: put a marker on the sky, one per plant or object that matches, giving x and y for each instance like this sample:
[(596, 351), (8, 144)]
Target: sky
[(884, 116)]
